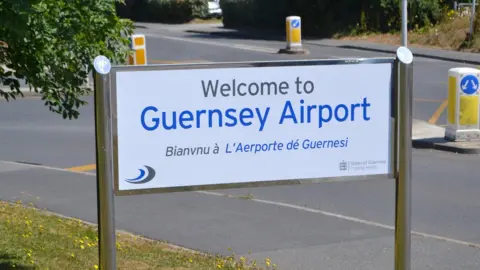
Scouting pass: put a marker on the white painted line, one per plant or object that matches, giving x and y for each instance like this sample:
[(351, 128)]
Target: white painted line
[(349, 218), (46, 167), (238, 46), (234, 46), (287, 205)]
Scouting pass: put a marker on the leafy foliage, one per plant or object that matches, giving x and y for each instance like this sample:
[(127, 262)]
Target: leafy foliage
[(52, 43), (165, 11), (328, 17)]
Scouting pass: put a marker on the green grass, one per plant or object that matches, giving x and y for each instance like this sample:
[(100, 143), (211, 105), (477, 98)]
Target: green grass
[(35, 239)]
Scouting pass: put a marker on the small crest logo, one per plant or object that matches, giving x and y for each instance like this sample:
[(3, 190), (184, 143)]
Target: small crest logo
[(343, 165)]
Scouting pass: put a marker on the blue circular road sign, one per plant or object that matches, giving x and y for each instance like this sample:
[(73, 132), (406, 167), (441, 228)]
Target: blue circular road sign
[(469, 84), (295, 23)]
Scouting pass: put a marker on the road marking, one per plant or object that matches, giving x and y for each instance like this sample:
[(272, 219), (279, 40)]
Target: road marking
[(433, 120), (83, 168), (230, 45), (297, 207), (349, 218), (46, 167), (176, 62)]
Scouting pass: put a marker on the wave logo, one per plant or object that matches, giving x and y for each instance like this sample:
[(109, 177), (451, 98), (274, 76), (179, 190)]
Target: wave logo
[(143, 176)]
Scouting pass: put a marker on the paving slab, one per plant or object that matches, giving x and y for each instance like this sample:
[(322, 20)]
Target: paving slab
[(430, 136)]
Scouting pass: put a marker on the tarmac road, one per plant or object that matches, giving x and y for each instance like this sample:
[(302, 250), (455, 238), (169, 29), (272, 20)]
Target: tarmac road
[(338, 225)]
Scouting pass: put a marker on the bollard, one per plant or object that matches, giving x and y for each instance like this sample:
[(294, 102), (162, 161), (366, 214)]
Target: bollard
[(293, 36), (463, 105), (139, 47)]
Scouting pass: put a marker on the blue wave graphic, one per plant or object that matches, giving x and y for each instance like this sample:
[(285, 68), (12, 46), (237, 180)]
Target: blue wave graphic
[(143, 177)]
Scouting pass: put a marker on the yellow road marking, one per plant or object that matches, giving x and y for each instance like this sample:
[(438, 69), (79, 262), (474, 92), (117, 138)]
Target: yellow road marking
[(438, 112), (83, 168)]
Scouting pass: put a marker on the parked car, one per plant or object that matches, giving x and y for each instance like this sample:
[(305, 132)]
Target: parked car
[(214, 9)]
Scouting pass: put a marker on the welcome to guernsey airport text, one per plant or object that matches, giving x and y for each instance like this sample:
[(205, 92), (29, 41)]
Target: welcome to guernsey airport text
[(302, 111)]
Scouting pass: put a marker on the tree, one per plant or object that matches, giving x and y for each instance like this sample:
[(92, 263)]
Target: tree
[(49, 43)]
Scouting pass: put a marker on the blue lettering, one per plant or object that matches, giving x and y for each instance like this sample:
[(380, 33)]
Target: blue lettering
[(345, 114), (262, 118), (228, 114), (210, 117), (155, 120), (185, 116), (246, 114), (321, 118), (291, 115), (365, 105), (239, 148), (174, 121), (228, 150)]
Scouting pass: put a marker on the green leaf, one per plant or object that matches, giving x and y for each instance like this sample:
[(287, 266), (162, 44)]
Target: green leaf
[(51, 43)]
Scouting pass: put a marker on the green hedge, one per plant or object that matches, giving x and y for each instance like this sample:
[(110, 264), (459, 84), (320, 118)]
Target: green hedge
[(327, 17), (163, 11)]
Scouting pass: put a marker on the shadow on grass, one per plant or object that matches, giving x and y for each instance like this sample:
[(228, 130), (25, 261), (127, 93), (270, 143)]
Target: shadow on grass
[(7, 262)]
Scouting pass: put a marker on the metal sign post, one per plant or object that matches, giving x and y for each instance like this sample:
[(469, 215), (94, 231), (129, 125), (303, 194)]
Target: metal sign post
[(103, 137), (404, 174), (404, 9), (472, 19)]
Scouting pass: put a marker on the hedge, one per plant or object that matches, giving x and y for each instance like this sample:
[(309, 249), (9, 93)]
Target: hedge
[(327, 17), (163, 11)]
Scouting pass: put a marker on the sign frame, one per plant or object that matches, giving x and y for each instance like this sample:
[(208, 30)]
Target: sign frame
[(112, 89)]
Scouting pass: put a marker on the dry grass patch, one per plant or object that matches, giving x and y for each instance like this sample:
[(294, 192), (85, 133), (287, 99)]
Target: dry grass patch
[(449, 35)]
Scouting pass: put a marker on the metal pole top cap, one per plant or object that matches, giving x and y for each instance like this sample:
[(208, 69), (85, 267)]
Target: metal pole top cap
[(404, 55), (101, 64)]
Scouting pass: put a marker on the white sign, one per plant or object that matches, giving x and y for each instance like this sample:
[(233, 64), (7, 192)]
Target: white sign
[(182, 128)]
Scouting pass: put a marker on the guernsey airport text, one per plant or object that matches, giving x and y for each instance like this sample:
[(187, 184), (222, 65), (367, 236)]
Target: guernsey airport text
[(293, 111)]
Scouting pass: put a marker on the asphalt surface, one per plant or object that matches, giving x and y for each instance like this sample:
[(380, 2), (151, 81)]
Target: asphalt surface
[(337, 225)]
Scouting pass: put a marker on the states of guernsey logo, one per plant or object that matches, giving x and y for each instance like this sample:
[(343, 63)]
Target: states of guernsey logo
[(143, 176)]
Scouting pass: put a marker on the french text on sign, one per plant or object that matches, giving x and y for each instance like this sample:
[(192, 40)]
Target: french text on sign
[(276, 122)]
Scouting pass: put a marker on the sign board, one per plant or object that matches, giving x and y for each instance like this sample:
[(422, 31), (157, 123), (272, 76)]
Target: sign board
[(222, 125)]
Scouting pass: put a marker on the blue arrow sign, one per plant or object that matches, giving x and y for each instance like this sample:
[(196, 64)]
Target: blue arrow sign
[(295, 23), (469, 84)]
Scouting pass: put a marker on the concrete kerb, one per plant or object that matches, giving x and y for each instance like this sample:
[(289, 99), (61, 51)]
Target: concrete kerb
[(24, 90), (428, 136), (224, 32), (415, 53), (30, 93)]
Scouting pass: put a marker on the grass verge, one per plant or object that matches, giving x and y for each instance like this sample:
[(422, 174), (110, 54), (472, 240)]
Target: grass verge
[(35, 239), (448, 35)]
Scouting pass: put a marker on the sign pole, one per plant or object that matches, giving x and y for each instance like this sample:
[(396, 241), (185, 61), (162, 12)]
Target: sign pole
[(404, 9), (404, 175), (472, 19), (103, 136)]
